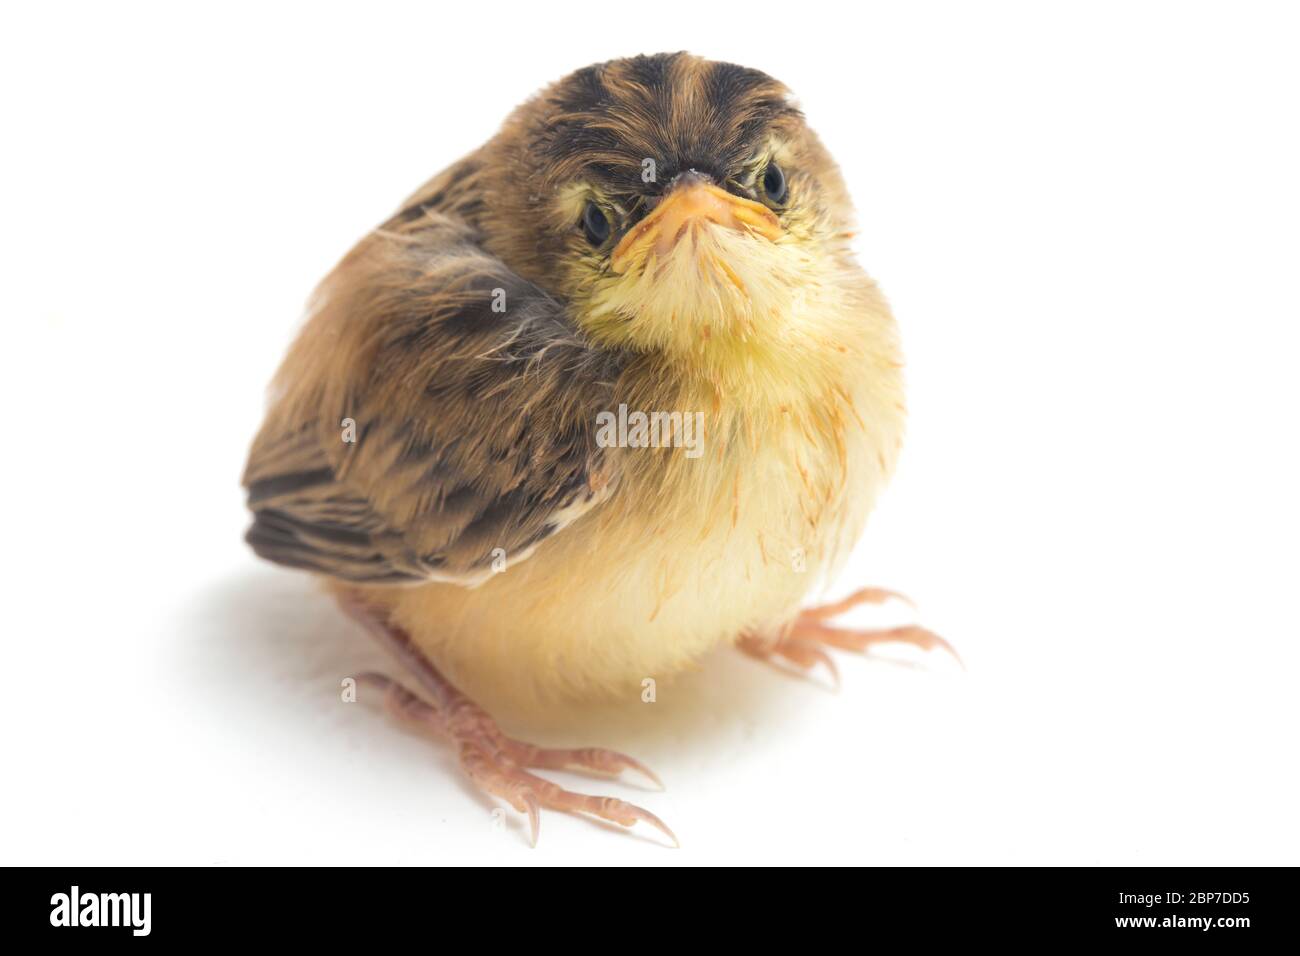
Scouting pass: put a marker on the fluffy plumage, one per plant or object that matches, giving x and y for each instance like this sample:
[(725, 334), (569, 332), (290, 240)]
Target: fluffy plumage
[(476, 428)]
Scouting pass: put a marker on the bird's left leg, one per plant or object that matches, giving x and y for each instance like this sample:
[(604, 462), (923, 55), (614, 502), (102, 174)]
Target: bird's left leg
[(804, 642)]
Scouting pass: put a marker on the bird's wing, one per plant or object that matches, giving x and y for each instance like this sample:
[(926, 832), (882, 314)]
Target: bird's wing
[(435, 408)]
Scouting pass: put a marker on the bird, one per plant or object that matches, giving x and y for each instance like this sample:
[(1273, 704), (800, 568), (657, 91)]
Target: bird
[(606, 393)]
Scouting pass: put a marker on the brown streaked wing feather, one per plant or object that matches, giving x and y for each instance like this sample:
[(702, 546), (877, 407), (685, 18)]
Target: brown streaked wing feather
[(474, 428)]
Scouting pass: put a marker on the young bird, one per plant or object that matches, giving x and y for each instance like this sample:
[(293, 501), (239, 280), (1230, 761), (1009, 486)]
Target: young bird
[(660, 236)]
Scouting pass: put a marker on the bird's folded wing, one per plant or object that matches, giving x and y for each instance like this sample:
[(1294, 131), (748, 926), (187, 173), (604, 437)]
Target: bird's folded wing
[(437, 413)]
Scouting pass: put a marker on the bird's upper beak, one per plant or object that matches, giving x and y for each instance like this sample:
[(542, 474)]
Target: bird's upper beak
[(692, 201)]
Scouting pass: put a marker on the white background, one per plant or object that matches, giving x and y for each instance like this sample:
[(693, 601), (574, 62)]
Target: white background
[(1087, 219)]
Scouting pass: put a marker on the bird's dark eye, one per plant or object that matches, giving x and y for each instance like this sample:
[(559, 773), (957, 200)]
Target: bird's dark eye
[(595, 225), (774, 185)]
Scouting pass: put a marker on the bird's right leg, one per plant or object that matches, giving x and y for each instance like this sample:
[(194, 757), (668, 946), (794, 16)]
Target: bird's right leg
[(496, 763)]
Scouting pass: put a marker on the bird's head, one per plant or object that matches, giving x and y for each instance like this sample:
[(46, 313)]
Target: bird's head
[(676, 204)]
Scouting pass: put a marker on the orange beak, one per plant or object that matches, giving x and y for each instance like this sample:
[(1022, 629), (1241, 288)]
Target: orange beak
[(692, 202)]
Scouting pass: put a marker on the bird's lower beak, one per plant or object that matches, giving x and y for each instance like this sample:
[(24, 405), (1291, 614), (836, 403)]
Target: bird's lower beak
[(691, 204)]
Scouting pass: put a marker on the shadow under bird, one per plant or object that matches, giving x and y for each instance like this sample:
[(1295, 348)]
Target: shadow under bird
[(604, 394)]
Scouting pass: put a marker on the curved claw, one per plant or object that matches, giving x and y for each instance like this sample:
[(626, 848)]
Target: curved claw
[(616, 811), (806, 654), (933, 640), (596, 760), (534, 810), (801, 653), (647, 817), (855, 640), (860, 596), (829, 663), (630, 763)]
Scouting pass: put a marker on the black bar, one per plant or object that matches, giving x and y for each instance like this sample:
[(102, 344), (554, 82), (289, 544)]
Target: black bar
[(1221, 906)]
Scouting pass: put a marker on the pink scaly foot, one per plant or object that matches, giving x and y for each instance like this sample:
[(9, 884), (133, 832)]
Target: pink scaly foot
[(803, 643), (496, 763)]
